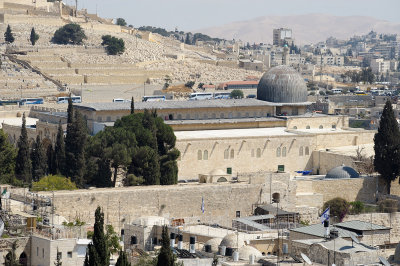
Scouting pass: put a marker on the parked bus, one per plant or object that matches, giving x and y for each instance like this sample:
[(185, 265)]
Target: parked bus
[(222, 95), (9, 102), (75, 99), (154, 98), (201, 96), (32, 101)]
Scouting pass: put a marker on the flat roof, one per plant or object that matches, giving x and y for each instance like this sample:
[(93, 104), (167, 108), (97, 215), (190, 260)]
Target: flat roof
[(318, 230), (215, 103), (361, 226), (221, 120), (232, 133), (17, 121)]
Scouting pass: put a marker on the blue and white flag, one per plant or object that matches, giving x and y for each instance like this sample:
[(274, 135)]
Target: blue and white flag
[(325, 215), (202, 204)]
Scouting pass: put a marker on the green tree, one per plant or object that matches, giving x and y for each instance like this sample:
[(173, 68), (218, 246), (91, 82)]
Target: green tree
[(34, 37), (112, 240), (11, 259), (75, 146), (145, 164), (132, 106), (8, 35), (59, 151), (237, 94), (39, 160), (113, 45), (23, 166), (187, 40), (387, 147), (98, 253), (122, 259), (8, 155), (69, 34), (189, 84), (165, 257), (121, 22), (338, 207), (53, 183)]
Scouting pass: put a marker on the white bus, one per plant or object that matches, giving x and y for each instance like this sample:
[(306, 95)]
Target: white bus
[(75, 99), (222, 95), (31, 101), (201, 96), (154, 98)]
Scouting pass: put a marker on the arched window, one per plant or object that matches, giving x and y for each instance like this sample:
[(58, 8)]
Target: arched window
[(278, 152), (307, 127), (226, 154), (232, 153), (307, 151), (334, 126), (205, 155), (284, 152), (258, 153), (321, 126), (294, 127), (187, 116), (179, 117), (205, 116), (222, 115), (199, 155), (252, 152), (301, 151)]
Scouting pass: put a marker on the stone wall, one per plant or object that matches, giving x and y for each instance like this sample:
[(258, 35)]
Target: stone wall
[(23, 245)]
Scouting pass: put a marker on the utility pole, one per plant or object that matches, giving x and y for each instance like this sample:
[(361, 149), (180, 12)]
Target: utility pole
[(76, 8)]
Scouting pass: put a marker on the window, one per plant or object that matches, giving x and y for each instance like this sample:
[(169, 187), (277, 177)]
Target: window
[(108, 118), (307, 127), (334, 126), (205, 155), (278, 152), (188, 116), (226, 154), (281, 168), (230, 115), (99, 119), (307, 151), (252, 152), (205, 116), (232, 154), (258, 153), (284, 152), (301, 151), (238, 115), (213, 116), (229, 170), (199, 155), (237, 214), (221, 115), (37, 251), (69, 254), (196, 116), (247, 114), (321, 126), (179, 117)]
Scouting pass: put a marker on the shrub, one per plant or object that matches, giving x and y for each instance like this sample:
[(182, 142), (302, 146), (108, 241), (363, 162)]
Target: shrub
[(53, 182), (114, 46), (69, 34), (189, 84), (237, 94), (357, 207), (388, 205), (338, 207)]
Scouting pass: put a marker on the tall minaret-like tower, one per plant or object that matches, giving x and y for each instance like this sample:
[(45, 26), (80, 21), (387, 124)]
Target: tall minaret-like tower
[(285, 57)]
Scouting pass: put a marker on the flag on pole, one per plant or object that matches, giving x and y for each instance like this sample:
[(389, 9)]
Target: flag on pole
[(202, 204), (325, 215)]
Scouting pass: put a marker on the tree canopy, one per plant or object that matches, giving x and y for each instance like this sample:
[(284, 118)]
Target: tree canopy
[(387, 146), (121, 22), (34, 37), (53, 183), (113, 45), (8, 35), (237, 94), (8, 155), (69, 34), (98, 252), (23, 166)]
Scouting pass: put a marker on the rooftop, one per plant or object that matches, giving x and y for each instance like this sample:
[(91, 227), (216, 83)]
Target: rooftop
[(361, 226), (318, 230)]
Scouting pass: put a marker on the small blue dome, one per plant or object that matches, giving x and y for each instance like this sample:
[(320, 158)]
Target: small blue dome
[(342, 172)]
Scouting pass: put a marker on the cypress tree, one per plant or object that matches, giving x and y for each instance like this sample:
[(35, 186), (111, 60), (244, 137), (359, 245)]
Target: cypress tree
[(98, 253), (8, 153), (132, 106), (103, 176), (165, 257), (70, 111), (11, 258), (122, 259), (34, 37), (387, 146), (8, 35), (23, 166), (51, 165), (59, 151), (39, 160)]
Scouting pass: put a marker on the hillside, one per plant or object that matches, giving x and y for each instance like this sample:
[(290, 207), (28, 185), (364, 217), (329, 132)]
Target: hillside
[(309, 28)]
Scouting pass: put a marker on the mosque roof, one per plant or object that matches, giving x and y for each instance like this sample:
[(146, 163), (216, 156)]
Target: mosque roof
[(342, 172)]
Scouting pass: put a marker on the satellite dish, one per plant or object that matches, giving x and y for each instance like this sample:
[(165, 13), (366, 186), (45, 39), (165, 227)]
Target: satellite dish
[(354, 239), (384, 261), (306, 259)]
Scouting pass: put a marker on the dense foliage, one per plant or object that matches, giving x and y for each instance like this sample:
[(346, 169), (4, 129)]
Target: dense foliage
[(121, 22), (237, 94), (69, 34), (113, 45), (338, 207), (8, 155), (53, 183), (8, 35), (387, 146), (122, 259), (98, 252), (23, 166)]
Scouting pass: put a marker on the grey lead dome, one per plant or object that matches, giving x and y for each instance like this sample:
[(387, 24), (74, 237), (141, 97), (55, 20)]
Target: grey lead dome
[(282, 84), (342, 172)]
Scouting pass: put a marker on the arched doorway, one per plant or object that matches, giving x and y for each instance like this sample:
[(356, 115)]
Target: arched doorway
[(23, 259)]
